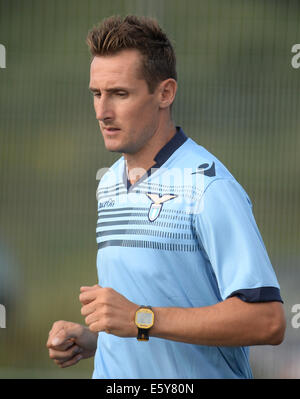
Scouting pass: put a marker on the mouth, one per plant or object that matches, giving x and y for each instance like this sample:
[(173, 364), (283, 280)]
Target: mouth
[(110, 131)]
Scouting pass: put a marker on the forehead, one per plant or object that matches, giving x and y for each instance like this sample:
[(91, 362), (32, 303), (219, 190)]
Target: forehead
[(120, 68)]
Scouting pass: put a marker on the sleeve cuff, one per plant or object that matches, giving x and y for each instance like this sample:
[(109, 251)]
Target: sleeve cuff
[(260, 294)]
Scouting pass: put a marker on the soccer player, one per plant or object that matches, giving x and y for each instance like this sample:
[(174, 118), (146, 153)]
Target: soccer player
[(185, 284)]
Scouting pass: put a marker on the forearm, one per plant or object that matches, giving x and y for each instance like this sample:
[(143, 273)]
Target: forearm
[(228, 323)]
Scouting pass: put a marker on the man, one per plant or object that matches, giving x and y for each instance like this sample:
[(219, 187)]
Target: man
[(186, 250)]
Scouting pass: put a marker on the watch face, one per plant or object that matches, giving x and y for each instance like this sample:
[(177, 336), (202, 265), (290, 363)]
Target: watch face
[(144, 318)]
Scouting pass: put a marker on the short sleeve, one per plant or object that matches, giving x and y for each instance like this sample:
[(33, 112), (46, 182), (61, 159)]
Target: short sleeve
[(230, 238)]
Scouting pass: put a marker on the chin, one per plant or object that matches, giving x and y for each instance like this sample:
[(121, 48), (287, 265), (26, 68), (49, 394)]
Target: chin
[(112, 148)]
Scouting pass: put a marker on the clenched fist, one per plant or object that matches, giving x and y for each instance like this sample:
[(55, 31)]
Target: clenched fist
[(107, 310), (70, 342)]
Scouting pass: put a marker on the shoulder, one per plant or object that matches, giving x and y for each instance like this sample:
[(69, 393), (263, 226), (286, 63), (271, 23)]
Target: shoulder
[(204, 171), (199, 159)]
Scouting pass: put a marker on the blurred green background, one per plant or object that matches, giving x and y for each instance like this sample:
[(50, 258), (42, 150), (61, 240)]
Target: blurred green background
[(238, 97)]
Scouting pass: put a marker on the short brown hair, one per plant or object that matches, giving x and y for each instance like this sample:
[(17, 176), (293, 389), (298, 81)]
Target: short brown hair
[(142, 33)]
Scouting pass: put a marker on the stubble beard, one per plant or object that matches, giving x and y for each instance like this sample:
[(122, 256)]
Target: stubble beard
[(129, 148)]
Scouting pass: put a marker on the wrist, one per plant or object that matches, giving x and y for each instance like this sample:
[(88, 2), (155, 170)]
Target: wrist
[(133, 326)]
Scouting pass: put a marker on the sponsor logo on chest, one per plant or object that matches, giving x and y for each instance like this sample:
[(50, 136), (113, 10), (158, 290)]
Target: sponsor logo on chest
[(106, 204)]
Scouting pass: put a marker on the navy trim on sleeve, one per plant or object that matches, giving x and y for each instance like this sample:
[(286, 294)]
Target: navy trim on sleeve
[(260, 294)]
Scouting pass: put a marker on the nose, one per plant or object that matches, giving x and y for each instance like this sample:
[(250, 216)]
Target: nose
[(103, 109)]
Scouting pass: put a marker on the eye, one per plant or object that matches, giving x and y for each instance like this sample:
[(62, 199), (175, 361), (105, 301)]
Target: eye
[(121, 94), (97, 94)]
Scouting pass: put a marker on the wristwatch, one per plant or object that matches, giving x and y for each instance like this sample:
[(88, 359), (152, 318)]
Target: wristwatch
[(144, 320)]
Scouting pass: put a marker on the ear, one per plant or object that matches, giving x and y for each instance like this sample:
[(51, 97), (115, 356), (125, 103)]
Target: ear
[(167, 92)]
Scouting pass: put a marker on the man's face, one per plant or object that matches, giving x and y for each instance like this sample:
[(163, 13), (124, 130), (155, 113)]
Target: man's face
[(128, 114)]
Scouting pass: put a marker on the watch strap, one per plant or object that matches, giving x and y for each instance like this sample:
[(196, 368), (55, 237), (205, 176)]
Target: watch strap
[(143, 334)]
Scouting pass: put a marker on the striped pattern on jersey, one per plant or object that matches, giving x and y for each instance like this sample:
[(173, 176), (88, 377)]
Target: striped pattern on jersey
[(123, 224)]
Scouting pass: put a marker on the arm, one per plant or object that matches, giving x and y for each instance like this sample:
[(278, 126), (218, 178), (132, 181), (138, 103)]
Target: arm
[(232, 322)]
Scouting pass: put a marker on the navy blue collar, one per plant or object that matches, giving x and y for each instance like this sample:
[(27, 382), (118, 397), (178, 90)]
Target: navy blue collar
[(162, 156), (164, 153)]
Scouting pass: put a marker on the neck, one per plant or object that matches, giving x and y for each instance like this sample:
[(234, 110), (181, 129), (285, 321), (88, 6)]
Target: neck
[(137, 164)]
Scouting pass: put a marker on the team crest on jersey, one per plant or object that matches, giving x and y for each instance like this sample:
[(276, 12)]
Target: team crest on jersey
[(157, 204)]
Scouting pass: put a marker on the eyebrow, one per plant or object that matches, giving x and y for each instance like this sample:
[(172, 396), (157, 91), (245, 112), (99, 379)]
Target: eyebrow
[(112, 90), (93, 89)]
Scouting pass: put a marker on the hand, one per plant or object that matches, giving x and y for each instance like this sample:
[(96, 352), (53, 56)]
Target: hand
[(107, 310), (69, 342)]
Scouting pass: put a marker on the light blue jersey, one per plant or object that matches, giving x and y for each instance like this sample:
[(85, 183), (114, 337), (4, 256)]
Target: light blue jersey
[(183, 236)]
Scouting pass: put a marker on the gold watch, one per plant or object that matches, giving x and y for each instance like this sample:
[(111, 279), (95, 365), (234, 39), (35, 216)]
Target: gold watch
[(144, 320)]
